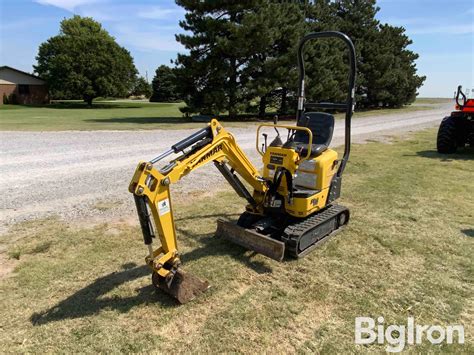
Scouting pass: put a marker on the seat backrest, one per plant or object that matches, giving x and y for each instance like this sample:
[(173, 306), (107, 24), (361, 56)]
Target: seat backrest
[(321, 125)]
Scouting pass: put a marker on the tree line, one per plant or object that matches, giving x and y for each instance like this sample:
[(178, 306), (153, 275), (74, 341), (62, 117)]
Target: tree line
[(241, 57)]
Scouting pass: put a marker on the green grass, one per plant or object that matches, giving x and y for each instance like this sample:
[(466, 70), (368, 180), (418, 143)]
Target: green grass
[(407, 251), (110, 115), (433, 100), (101, 116)]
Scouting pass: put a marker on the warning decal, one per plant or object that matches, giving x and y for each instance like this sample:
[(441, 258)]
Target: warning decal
[(163, 207)]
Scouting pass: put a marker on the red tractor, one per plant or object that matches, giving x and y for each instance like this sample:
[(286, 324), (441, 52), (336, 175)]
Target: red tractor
[(457, 130)]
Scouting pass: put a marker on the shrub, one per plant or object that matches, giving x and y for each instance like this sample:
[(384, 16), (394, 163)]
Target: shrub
[(186, 111), (12, 99)]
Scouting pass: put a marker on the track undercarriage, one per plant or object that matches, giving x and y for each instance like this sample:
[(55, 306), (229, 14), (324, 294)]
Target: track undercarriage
[(277, 237)]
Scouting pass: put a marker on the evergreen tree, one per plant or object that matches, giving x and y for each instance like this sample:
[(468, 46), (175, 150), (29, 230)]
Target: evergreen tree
[(391, 77), (224, 37), (386, 68), (272, 68), (356, 18), (243, 51), (164, 84), (141, 87), (325, 59)]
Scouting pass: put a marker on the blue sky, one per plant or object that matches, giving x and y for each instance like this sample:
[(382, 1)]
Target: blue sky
[(442, 32)]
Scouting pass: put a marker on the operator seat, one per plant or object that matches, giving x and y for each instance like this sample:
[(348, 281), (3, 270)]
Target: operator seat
[(321, 125)]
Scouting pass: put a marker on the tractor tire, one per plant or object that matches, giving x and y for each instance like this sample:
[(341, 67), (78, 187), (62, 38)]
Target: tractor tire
[(446, 142)]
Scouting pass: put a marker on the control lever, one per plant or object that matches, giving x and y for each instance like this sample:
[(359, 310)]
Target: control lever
[(265, 138), (275, 122), (276, 142)]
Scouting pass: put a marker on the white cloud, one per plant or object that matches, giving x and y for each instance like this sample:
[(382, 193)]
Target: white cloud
[(423, 25), (135, 25), (149, 39), (457, 29), (110, 11), (130, 12), (22, 24), (68, 5), (159, 13)]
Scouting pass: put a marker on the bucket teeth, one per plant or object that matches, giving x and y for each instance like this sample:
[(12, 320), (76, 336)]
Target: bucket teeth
[(183, 287), (251, 240)]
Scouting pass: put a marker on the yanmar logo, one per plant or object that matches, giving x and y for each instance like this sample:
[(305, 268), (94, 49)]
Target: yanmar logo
[(209, 154)]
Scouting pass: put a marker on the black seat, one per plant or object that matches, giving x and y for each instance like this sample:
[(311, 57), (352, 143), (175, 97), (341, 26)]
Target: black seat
[(322, 126)]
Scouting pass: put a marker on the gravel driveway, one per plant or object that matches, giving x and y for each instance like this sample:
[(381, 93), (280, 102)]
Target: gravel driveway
[(86, 174)]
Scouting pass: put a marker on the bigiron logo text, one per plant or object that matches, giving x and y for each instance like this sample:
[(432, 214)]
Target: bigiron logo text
[(397, 336)]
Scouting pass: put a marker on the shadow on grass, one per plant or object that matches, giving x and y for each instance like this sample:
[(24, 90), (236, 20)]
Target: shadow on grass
[(88, 301), (216, 246), (466, 153), (468, 232), (212, 245), (98, 105), (141, 120)]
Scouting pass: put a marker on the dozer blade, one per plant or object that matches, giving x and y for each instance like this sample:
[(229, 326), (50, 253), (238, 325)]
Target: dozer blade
[(251, 240), (184, 287)]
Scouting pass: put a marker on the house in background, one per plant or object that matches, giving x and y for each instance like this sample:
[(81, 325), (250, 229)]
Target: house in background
[(18, 87)]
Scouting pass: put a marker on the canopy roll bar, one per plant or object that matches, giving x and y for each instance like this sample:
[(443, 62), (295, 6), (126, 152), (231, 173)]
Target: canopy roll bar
[(348, 106)]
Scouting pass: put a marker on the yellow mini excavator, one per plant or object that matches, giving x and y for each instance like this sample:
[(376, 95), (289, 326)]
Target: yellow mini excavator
[(291, 209)]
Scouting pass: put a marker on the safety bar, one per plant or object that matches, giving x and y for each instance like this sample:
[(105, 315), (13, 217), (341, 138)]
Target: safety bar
[(350, 90)]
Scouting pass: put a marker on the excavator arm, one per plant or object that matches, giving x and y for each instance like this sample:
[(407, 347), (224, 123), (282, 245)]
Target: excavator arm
[(151, 189)]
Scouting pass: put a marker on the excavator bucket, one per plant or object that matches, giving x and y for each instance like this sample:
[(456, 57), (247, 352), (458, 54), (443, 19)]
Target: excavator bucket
[(251, 240), (184, 287)]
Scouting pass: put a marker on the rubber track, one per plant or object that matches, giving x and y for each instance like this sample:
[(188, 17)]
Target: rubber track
[(294, 232)]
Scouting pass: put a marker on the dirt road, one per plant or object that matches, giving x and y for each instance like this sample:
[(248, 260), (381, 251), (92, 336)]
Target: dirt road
[(83, 174)]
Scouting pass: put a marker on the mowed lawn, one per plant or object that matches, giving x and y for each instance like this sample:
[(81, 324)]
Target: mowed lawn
[(127, 115), (101, 116), (407, 252)]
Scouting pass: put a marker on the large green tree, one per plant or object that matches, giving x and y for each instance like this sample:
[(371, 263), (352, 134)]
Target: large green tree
[(386, 67), (165, 85), (84, 61), (271, 68), (224, 35), (390, 71), (242, 52)]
